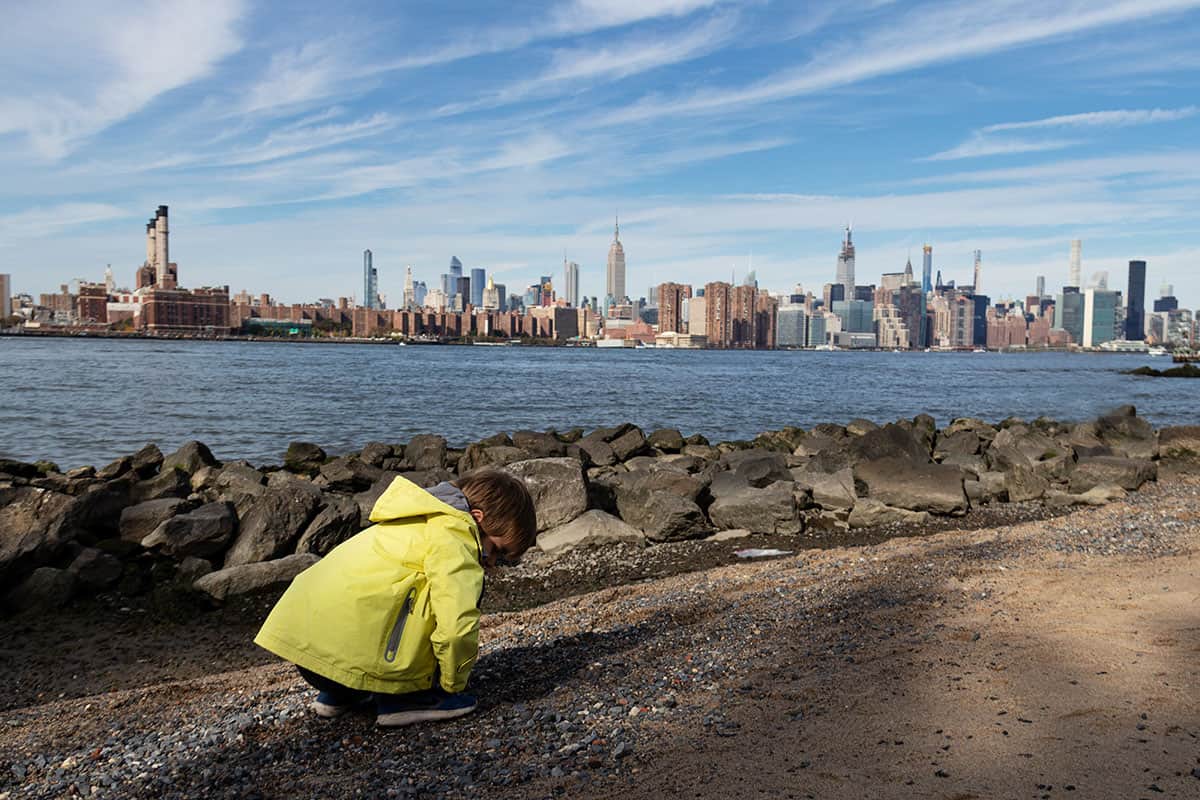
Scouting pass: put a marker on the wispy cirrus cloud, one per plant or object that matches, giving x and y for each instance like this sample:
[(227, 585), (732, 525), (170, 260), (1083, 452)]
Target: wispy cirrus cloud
[(108, 63), (984, 142)]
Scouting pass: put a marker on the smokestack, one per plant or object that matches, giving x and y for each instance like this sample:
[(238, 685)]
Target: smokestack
[(150, 247), (162, 256)]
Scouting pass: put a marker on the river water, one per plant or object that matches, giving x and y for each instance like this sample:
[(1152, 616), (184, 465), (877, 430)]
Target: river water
[(87, 401)]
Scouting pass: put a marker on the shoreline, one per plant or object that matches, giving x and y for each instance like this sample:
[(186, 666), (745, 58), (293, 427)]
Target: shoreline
[(585, 345)]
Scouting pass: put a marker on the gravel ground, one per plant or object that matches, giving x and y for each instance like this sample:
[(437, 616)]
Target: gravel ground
[(743, 680)]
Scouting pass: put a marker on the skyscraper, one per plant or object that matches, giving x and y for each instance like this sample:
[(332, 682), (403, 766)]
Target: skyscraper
[(5, 296), (978, 261), (410, 296), (370, 282), (450, 279), (1041, 286), (1074, 276), (1135, 302), (477, 281), (927, 270), (845, 264), (571, 282), (670, 306), (616, 266)]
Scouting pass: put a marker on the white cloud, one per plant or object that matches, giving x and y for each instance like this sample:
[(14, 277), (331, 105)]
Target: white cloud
[(1098, 119), (34, 223), (108, 63), (978, 146)]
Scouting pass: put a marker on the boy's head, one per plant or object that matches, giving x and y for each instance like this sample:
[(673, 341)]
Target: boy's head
[(503, 509)]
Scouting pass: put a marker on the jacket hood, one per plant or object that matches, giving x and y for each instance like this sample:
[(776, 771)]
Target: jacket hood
[(403, 498)]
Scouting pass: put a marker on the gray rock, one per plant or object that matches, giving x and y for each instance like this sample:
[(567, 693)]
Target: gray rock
[(729, 535), (477, 456), (959, 443), (1128, 473), (168, 483), (203, 532), (890, 441), (426, 452), (1023, 483), (702, 451), (631, 443), (662, 515), (904, 483), (247, 578), (34, 523), (972, 466), (192, 569), (95, 569), (976, 426), (781, 441), (596, 451), (869, 512), (771, 509), (860, 427), (189, 458), (1127, 435), (303, 457), (668, 440), (1096, 496), (375, 452), (427, 477), (334, 524), (348, 474), (988, 487), (45, 589), (145, 462), (831, 521), (114, 470), (1181, 441), (273, 524), (240, 484), (539, 445), (591, 529), (675, 481), (757, 467), (830, 491), (559, 492)]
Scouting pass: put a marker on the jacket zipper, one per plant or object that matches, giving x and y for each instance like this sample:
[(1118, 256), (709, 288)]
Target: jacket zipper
[(393, 642)]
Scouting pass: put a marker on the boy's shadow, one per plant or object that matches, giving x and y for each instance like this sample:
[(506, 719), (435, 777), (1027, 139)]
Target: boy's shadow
[(528, 672)]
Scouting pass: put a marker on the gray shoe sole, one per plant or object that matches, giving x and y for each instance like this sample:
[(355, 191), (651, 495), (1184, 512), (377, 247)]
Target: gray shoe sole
[(400, 718)]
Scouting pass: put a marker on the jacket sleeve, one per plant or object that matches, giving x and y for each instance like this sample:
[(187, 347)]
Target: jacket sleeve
[(455, 582)]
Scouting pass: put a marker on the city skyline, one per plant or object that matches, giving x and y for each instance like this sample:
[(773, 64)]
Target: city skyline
[(288, 144)]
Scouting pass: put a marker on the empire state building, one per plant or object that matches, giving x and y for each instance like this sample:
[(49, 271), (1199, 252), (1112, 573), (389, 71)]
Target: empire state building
[(616, 266)]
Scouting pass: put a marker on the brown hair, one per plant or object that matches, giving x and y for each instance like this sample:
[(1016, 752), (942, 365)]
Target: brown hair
[(506, 504)]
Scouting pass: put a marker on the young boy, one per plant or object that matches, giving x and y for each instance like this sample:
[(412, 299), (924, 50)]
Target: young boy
[(392, 613)]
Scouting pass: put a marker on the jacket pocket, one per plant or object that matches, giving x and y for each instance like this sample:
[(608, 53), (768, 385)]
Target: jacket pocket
[(393, 641)]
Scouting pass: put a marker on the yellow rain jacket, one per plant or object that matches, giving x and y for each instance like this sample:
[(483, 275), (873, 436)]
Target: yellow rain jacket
[(390, 606)]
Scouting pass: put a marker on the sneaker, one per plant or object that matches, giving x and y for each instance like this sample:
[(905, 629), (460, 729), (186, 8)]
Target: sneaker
[(404, 709), (333, 704)]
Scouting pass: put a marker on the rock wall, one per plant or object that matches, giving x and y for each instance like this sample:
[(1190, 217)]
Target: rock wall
[(187, 520)]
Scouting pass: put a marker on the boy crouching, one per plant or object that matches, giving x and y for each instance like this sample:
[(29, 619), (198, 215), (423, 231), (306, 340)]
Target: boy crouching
[(392, 614)]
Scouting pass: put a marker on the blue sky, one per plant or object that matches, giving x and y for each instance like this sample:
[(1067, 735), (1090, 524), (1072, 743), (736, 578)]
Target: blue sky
[(288, 137)]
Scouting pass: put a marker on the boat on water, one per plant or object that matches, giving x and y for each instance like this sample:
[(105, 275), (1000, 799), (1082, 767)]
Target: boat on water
[(979, 350), (1157, 351)]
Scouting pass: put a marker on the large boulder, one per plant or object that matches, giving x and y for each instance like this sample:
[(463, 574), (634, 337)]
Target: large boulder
[(595, 451), (335, 523), (539, 445), (558, 488), (204, 532), (34, 524), (273, 524), (376, 452), (95, 569), (45, 589), (145, 462), (828, 490), (590, 529), (247, 578), (1181, 441), (890, 441), (190, 457), (348, 474), (426, 452), (629, 444), (303, 457), (986, 487), (1128, 473), (976, 426), (168, 483), (240, 484), (477, 456), (1023, 483), (959, 443), (905, 483), (668, 440), (662, 515), (757, 467), (771, 509), (869, 513), (1127, 435), (139, 521)]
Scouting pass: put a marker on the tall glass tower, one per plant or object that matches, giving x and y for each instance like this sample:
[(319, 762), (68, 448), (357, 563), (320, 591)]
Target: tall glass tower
[(927, 270), (370, 282), (1135, 299)]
